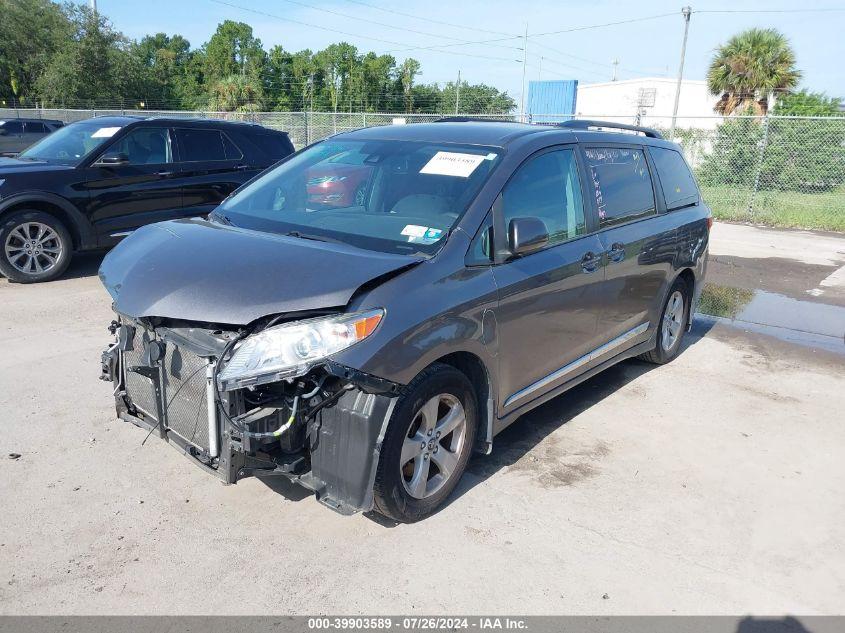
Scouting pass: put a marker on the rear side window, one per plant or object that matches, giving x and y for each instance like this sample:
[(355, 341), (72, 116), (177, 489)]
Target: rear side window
[(36, 128), (547, 187), (676, 181), (202, 145), (621, 184), (275, 146)]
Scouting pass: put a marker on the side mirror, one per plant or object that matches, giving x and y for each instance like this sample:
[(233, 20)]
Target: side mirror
[(526, 235), (113, 159), (3, 132)]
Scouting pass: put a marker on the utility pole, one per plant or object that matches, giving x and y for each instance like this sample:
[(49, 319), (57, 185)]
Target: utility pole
[(458, 93), (540, 69), (686, 12), (524, 61), (94, 5), (615, 63)]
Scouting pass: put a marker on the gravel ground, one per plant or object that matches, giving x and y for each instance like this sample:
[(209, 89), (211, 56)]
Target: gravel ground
[(712, 485)]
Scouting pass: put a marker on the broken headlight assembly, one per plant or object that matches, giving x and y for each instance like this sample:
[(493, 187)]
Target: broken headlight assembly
[(292, 349)]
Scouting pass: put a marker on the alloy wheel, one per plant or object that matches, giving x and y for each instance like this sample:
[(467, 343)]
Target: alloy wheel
[(433, 446), (33, 248), (673, 318)]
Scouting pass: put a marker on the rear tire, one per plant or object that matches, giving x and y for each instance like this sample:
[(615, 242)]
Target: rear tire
[(431, 433), (34, 247), (672, 326)]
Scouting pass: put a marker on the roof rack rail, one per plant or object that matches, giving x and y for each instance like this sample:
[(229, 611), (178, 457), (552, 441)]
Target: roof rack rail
[(586, 124), (471, 119)]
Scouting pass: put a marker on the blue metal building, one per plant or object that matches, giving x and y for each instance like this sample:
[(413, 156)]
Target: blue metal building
[(551, 101)]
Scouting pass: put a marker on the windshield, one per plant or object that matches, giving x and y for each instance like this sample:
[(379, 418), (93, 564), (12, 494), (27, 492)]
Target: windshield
[(390, 196), (69, 144)]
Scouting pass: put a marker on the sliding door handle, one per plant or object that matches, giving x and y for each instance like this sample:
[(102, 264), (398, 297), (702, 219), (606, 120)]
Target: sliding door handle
[(616, 252), (590, 262)]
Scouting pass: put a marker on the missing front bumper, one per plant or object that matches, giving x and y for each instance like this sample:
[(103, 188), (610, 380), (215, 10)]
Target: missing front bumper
[(342, 439)]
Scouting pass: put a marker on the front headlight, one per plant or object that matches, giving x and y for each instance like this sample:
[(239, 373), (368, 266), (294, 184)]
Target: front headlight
[(291, 349)]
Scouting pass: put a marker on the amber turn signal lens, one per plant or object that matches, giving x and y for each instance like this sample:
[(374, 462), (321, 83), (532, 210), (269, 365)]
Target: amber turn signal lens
[(366, 326)]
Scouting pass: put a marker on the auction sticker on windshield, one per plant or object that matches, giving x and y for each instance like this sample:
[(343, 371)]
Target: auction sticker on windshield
[(105, 132), (452, 164)]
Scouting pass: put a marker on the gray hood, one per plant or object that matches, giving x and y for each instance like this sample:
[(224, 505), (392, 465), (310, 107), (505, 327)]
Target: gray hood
[(202, 271)]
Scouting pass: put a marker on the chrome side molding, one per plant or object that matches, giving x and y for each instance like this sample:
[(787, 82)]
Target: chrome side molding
[(577, 364)]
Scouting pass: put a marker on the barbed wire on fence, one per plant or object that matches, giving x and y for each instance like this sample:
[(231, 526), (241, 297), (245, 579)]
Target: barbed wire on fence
[(749, 168)]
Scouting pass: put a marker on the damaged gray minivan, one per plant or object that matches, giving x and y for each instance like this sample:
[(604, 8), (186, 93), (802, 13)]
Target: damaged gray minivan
[(366, 314)]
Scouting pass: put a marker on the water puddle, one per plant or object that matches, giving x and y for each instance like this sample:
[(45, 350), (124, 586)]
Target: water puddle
[(803, 322)]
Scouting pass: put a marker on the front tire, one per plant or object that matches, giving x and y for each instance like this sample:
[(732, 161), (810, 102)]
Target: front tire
[(34, 247), (427, 446), (673, 324)]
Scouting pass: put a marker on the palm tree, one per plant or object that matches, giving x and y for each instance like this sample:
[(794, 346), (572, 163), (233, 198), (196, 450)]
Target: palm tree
[(239, 93), (750, 70)]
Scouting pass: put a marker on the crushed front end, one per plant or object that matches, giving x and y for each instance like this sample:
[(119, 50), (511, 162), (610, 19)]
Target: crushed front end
[(322, 428)]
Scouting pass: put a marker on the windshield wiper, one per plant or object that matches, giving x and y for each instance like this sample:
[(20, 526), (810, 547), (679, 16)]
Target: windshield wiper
[(315, 238)]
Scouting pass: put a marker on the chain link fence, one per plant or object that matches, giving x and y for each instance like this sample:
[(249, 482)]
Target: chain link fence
[(784, 171)]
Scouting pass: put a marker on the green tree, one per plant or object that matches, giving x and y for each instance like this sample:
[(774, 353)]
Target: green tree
[(233, 50), (236, 93), (800, 154), (408, 71), (750, 69), (94, 66), (165, 59), (31, 32), (337, 64), (805, 103)]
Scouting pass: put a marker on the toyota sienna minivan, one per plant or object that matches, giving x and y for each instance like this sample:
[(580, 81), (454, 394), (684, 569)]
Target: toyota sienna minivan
[(365, 348)]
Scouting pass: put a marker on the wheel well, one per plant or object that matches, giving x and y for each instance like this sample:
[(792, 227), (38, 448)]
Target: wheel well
[(473, 368), (54, 210), (689, 279)]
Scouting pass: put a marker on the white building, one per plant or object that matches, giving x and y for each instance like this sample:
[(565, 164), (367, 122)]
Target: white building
[(650, 98)]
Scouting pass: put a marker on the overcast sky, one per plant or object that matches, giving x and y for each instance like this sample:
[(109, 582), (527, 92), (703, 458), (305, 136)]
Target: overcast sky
[(649, 47)]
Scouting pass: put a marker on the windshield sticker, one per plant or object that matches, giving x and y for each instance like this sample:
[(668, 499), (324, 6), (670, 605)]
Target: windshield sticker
[(452, 164), (413, 230), (105, 132), (422, 234)]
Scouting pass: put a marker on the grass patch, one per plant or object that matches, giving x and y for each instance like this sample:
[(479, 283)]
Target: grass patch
[(788, 209)]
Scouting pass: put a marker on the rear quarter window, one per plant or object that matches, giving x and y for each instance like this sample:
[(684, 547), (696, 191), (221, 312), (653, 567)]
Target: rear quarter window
[(275, 146), (676, 181)]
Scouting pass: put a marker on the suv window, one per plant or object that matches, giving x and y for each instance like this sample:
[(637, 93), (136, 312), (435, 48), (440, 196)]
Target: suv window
[(621, 182), (202, 145), (36, 128), (13, 127), (145, 146), (276, 146), (547, 187), (676, 181)]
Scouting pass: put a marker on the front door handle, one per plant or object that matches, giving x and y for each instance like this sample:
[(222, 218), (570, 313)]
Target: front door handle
[(616, 252), (164, 174), (242, 167), (590, 262)]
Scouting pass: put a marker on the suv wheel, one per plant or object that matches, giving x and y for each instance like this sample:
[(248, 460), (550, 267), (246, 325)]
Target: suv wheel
[(672, 326), (35, 247), (427, 445)]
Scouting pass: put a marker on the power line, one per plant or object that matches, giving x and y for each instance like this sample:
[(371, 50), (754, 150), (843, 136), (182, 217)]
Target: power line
[(356, 35), (828, 10), (386, 25), (599, 26), (432, 20)]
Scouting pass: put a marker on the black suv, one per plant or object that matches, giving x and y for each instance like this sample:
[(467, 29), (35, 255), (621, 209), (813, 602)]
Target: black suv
[(18, 134), (91, 183), (364, 349)]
